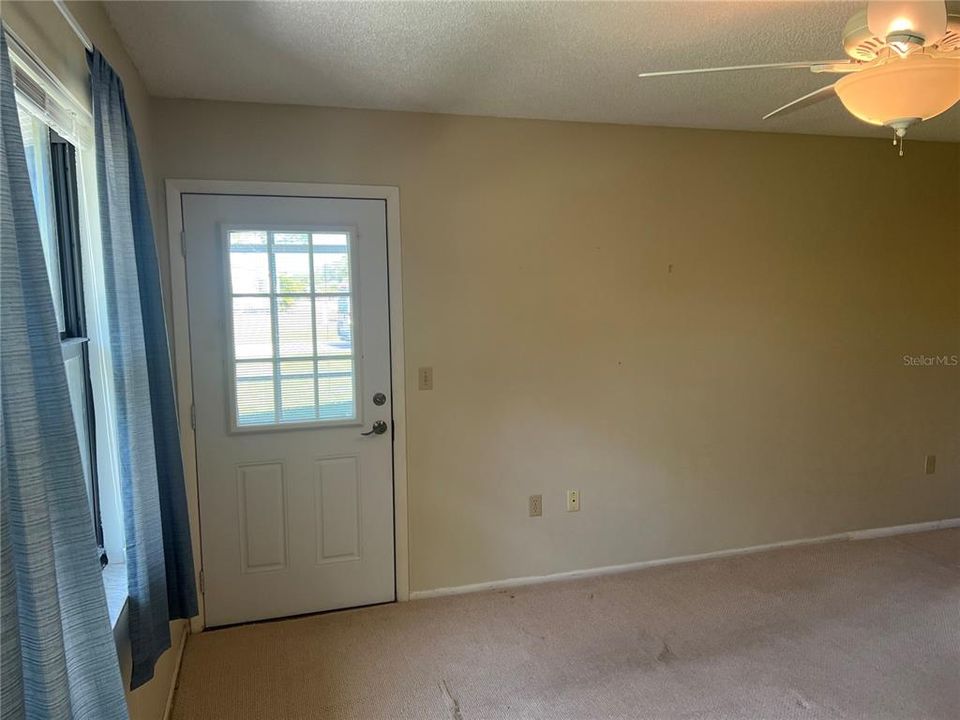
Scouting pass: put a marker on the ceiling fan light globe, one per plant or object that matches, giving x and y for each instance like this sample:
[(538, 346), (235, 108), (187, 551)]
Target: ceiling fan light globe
[(918, 86), (926, 19)]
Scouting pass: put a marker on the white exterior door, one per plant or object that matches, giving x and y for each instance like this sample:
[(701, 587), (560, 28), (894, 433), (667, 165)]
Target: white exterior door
[(290, 348)]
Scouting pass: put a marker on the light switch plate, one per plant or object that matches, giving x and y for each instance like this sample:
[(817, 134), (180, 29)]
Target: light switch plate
[(425, 378), (930, 464)]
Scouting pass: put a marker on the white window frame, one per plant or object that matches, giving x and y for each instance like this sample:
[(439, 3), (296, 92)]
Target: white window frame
[(356, 351)]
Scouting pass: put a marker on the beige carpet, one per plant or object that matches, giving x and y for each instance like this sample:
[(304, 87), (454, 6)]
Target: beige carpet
[(867, 629)]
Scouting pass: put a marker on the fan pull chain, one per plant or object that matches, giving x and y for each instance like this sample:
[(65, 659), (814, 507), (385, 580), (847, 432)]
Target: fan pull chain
[(896, 136)]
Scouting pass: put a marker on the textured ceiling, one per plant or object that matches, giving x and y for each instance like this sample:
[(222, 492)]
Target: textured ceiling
[(562, 61)]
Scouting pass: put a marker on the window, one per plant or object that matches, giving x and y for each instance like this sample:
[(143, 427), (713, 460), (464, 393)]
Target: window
[(291, 326), (53, 171), (37, 147)]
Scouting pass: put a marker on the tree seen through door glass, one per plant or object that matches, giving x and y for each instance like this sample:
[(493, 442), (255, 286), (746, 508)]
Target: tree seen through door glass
[(292, 327)]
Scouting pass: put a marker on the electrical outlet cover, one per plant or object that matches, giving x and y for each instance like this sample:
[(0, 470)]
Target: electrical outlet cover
[(536, 505)]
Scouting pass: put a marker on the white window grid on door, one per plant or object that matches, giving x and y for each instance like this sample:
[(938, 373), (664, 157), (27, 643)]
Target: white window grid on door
[(276, 359)]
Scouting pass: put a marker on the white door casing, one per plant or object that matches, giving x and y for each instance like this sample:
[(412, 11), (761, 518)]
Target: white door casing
[(296, 506)]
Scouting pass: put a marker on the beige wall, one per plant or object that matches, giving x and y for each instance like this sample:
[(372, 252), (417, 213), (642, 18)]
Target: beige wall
[(701, 331), (42, 28)]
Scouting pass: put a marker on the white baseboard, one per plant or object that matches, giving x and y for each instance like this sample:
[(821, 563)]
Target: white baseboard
[(903, 529), (176, 671), (628, 567)]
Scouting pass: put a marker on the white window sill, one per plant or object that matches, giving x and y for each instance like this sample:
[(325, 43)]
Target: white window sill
[(115, 583)]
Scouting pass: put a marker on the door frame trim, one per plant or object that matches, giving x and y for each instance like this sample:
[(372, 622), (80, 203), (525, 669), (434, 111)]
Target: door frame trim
[(177, 305)]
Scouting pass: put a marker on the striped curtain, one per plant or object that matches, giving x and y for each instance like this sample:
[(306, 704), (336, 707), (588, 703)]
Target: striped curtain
[(59, 661), (158, 552)]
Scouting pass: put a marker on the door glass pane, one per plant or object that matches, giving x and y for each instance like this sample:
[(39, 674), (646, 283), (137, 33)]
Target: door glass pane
[(252, 331), (340, 240), (298, 326), (297, 391), (291, 238), (248, 237), (249, 263), (255, 394), (331, 272), (334, 325), (294, 321), (335, 388), (292, 263)]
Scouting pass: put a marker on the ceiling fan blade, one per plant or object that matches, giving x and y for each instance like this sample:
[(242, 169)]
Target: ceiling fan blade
[(824, 93), (838, 66), (764, 66)]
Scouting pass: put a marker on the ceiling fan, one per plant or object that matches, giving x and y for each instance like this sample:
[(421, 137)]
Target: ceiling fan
[(903, 66)]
